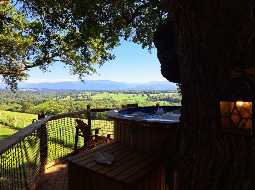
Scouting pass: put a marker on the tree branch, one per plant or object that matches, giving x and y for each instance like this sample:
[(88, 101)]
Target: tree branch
[(137, 12)]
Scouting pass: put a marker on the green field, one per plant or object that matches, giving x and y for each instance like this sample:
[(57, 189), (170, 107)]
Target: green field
[(18, 105), (55, 102), (11, 122), (6, 132)]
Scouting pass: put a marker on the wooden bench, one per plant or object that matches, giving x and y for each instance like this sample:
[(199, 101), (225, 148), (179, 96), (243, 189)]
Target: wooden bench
[(129, 171)]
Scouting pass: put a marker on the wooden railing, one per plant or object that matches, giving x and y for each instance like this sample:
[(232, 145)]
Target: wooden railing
[(24, 156)]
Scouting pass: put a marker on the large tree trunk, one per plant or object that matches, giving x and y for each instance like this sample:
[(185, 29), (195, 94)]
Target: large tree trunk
[(215, 38)]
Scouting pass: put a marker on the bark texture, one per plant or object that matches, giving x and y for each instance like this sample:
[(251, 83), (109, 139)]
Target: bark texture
[(165, 42), (216, 43)]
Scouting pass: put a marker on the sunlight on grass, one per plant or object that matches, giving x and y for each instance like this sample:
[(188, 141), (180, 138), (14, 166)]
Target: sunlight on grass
[(6, 132), (16, 120), (11, 122)]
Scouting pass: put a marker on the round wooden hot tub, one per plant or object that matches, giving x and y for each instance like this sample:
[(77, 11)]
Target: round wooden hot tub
[(142, 130)]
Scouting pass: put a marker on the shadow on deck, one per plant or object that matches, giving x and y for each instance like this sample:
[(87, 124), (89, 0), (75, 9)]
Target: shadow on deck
[(129, 170), (55, 178)]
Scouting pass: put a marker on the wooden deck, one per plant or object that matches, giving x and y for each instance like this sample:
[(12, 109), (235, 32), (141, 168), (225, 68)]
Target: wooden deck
[(55, 177), (137, 151), (130, 170)]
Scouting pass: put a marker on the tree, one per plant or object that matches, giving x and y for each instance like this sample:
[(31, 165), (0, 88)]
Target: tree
[(28, 41), (93, 28), (16, 44), (83, 33), (215, 43)]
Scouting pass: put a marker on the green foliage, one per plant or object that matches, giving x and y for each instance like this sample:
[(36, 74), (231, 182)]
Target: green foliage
[(17, 44), (101, 21), (6, 132), (11, 122), (16, 120), (55, 102), (78, 33), (51, 107), (27, 40), (61, 102)]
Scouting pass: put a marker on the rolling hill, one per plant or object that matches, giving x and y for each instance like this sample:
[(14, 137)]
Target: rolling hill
[(99, 85)]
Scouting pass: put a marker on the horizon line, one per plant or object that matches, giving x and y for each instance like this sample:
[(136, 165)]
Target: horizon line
[(84, 81)]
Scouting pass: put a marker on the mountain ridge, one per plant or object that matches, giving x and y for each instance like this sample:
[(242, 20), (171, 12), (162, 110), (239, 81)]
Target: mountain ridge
[(100, 85)]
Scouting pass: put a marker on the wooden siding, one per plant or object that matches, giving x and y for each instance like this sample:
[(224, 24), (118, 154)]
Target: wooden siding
[(146, 137)]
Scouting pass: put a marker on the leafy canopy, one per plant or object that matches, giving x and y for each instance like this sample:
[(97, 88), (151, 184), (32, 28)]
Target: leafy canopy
[(17, 43), (79, 33)]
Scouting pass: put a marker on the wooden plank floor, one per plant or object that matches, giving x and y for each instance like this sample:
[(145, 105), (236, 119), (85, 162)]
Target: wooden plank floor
[(130, 168), (56, 174), (126, 163), (55, 177)]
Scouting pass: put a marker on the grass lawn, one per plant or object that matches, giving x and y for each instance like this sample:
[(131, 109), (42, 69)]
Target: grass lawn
[(6, 132), (11, 122)]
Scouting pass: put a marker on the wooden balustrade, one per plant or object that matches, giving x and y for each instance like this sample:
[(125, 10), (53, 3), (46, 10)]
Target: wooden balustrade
[(48, 139)]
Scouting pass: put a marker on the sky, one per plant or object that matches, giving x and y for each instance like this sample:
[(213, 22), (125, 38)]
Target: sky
[(132, 65)]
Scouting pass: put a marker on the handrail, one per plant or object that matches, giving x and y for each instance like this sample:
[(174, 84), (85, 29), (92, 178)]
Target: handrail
[(21, 134), (68, 114), (25, 155)]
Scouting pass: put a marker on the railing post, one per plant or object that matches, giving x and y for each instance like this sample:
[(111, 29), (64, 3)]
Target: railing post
[(43, 136), (89, 115), (89, 122)]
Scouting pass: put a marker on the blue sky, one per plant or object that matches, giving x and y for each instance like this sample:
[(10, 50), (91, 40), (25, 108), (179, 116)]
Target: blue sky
[(132, 64)]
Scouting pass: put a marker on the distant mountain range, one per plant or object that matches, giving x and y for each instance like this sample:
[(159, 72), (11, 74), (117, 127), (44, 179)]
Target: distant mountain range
[(99, 85)]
